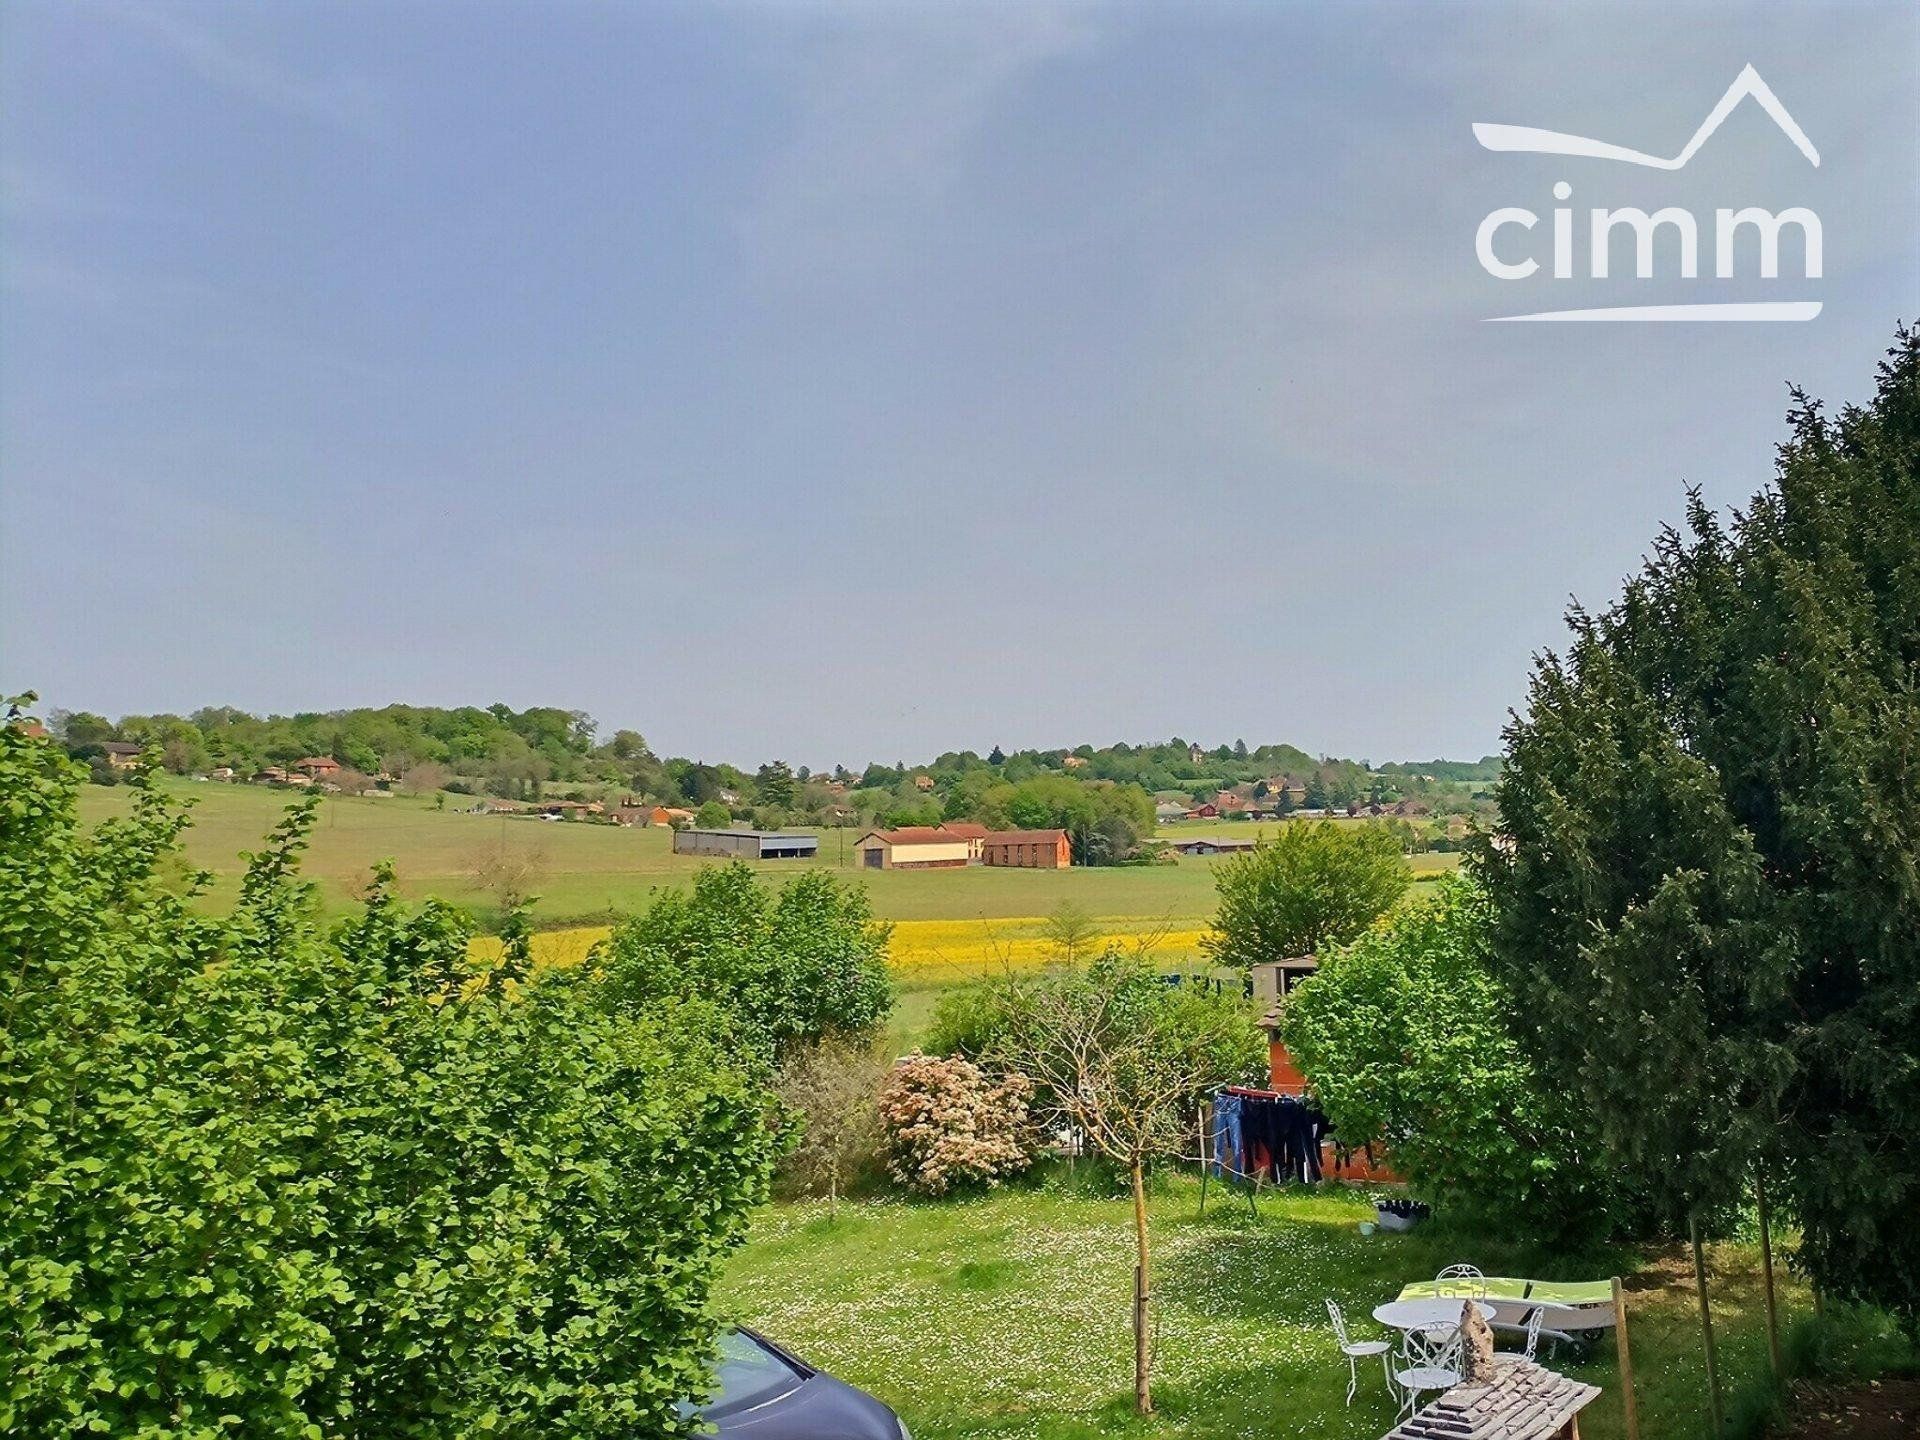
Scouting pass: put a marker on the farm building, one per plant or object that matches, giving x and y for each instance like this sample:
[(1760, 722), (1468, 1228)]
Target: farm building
[(318, 767), (974, 833), (917, 847), (1213, 847), (746, 844), (667, 814), (1027, 849), (120, 755)]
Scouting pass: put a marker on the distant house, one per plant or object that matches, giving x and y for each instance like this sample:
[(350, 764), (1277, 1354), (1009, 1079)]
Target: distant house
[(628, 815), (1166, 814), (667, 815), (274, 775), (1213, 847), (1230, 803), (317, 767), (499, 807), (569, 809), (119, 755), (1027, 849), (1206, 811), (746, 844), (974, 833), (1074, 762), (923, 782), (1195, 754), (915, 847), (1413, 807), (1285, 785), (222, 773)]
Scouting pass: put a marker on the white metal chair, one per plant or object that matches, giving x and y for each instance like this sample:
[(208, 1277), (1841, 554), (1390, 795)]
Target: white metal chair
[(1535, 1319), (1465, 1281), (1430, 1360), (1357, 1350)]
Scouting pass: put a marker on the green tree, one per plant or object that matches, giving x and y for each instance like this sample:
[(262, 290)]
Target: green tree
[(1125, 1059), (1409, 1041), (796, 968), (776, 786), (1705, 896), (713, 816), (1315, 884)]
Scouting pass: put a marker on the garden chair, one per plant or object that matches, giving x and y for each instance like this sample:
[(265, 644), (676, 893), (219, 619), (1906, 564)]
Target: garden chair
[(1535, 1318), (1357, 1350), (1429, 1360), (1465, 1281)]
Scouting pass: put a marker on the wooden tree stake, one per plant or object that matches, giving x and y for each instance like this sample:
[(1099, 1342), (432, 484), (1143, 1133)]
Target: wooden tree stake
[(1766, 1276), (1626, 1360), (1706, 1323)]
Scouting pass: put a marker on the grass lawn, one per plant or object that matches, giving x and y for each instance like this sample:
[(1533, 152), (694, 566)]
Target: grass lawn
[(591, 871), (1008, 1315)]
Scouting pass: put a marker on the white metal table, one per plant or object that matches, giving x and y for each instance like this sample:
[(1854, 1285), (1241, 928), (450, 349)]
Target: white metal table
[(1419, 1314)]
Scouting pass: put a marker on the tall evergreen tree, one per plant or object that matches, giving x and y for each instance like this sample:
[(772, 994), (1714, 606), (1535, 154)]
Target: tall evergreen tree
[(1710, 905)]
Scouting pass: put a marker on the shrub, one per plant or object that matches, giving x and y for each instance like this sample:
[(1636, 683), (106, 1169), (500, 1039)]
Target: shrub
[(1409, 1039), (949, 1124), (256, 1179), (832, 1095)]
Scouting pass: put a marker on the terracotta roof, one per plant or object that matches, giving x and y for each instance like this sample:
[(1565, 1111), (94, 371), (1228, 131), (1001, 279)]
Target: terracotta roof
[(966, 829), (1025, 837), (915, 835)]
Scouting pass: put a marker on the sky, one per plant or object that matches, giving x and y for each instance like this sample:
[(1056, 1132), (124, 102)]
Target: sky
[(858, 382)]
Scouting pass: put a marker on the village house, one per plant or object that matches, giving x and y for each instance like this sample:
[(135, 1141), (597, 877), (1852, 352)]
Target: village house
[(915, 847), (923, 783), (1227, 802), (222, 773), (1074, 762), (1167, 813), (1207, 810), (119, 755), (668, 815), (1027, 849), (317, 767)]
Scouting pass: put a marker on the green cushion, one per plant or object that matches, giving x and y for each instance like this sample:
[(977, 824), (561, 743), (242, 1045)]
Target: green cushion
[(1502, 1287)]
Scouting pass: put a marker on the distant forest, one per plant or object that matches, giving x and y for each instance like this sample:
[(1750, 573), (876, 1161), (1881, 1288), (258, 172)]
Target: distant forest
[(547, 752)]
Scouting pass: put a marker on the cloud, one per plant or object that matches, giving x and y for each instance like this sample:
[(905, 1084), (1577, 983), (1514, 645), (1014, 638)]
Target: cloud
[(340, 102)]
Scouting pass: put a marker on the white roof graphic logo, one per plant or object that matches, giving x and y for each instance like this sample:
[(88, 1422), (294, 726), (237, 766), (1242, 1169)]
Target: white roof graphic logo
[(1527, 139)]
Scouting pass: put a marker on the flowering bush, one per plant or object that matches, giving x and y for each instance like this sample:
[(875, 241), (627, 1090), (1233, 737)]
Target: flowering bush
[(950, 1123)]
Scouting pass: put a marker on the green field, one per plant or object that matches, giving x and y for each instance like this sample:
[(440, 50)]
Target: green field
[(591, 871), (1008, 1315)]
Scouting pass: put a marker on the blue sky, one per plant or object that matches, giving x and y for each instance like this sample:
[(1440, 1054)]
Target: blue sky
[(858, 382)]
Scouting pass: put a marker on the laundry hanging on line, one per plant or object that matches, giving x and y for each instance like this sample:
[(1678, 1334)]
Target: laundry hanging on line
[(1262, 1135)]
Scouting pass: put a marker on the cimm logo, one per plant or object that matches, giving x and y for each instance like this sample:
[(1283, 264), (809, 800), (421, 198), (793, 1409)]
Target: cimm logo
[(1507, 243)]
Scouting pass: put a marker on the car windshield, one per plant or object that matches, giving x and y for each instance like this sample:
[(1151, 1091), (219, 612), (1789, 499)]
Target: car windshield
[(747, 1374)]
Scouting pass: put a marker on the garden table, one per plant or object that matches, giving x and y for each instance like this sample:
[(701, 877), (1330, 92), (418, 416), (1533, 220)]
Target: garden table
[(1418, 1314)]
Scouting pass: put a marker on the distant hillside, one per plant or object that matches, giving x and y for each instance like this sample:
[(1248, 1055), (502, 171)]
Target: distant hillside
[(551, 751)]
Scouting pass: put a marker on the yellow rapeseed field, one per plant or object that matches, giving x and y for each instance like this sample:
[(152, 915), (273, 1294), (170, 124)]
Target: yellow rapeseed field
[(923, 951)]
